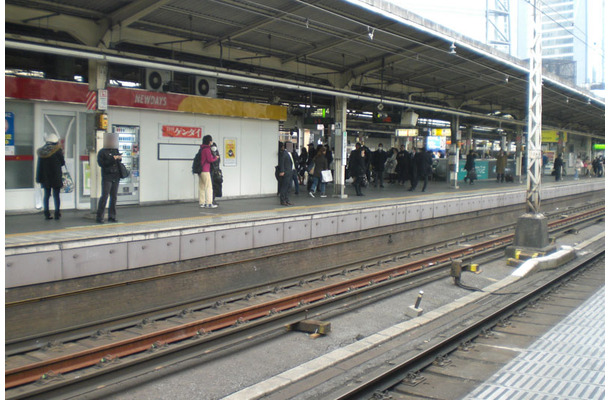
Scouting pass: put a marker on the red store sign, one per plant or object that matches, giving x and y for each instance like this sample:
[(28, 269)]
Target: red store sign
[(186, 132)]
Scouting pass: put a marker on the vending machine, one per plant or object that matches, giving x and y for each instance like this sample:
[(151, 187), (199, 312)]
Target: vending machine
[(129, 147)]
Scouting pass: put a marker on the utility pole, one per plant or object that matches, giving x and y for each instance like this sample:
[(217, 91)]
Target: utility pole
[(532, 228), (498, 24)]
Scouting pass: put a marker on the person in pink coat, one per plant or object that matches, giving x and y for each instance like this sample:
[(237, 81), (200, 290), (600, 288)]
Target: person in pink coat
[(205, 181)]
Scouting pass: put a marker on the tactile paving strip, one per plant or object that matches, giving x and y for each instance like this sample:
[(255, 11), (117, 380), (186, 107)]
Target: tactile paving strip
[(566, 363)]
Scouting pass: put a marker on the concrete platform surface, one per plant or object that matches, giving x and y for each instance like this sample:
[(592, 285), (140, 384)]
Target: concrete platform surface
[(565, 363), (31, 228)]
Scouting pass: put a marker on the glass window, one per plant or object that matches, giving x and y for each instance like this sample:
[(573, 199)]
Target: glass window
[(19, 168)]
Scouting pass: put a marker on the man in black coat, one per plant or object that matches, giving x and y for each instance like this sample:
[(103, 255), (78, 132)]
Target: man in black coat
[(357, 168), (558, 165), (48, 172), (367, 161), (403, 159), (423, 164), (285, 168), (470, 165), (378, 161), (108, 159)]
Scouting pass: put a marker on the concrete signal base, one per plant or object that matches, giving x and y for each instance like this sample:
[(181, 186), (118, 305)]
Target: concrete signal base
[(531, 236)]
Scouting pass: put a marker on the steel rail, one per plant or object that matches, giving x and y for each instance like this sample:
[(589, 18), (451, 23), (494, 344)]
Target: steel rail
[(23, 345), (382, 380), (34, 371)]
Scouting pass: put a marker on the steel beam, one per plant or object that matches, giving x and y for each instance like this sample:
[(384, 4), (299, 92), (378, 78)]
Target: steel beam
[(534, 120)]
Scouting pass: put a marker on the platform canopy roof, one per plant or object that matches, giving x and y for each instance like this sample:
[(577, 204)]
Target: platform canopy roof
[(368, 50)]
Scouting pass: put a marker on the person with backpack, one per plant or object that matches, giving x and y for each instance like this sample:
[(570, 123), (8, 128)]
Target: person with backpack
[(202, 166)]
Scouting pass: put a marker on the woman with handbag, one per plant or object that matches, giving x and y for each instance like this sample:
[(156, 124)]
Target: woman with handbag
[(320, 164), (49, 174)]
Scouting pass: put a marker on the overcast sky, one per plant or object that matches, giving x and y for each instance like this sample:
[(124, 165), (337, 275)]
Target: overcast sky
[(463, 16)]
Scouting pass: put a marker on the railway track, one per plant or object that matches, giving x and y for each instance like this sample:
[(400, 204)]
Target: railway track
[(30, 337), (401, 379), (135, 346)]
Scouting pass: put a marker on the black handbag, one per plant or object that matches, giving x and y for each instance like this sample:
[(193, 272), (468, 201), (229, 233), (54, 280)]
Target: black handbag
[(123, 171), (363, 181)]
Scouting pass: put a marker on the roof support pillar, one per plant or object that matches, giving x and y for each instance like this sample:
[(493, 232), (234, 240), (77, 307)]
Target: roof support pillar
[(98, 79), (340, 136), (454, 153)]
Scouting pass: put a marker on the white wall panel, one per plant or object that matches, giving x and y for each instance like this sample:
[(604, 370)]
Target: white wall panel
[(248, 159), (268, 156)]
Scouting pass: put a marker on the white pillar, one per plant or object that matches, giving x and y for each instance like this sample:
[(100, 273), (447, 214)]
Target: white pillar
[(340, 136), (453, 160), (534, 120), (98, 76)]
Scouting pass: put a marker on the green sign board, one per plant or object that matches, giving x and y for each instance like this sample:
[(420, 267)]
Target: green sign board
[(599, 146), (481, 166)]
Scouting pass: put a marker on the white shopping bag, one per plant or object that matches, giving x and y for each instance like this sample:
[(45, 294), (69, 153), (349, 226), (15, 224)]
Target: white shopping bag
[(327, 176), (38, 198)]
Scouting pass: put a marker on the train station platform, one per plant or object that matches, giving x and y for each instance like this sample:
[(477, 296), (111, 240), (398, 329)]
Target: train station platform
[(565, 363), (77, 246)]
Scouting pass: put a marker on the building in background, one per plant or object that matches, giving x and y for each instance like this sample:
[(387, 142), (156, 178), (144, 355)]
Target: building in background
[(573, 31), (572, 39)]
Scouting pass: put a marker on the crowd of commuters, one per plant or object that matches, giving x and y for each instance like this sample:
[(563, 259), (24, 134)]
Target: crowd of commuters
[(311, 167)]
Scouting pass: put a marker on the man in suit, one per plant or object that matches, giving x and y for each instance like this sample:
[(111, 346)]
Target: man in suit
[(285, 168)]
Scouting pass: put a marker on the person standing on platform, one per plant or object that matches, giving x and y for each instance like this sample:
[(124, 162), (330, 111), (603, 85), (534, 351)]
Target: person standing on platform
[(285, 168), (545, 161), (206, 191), (48, 172), (357, 168), (470, 167), (302, 164), (423, 165), (320, 164), (391, 164), (412, 169), (367, 161), (378, 162), (501, 161), (600, 166), (402, 165), (295, 172), (216, 174), (108, 159), (329, 156), (558, 167), (578, 167), (311, 154)]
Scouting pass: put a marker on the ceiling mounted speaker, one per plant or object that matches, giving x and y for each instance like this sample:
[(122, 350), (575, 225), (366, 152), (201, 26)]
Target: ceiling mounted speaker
[(204, 86), (155, 79)]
